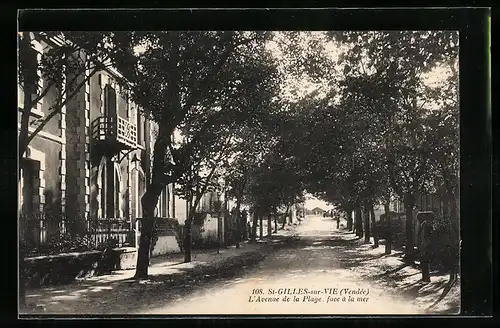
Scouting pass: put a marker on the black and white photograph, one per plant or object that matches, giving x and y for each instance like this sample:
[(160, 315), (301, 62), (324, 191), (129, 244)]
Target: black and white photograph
[(239, 172)]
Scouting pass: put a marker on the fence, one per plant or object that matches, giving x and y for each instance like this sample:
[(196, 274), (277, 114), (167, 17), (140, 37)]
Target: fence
[(444, 242), (43, 234)]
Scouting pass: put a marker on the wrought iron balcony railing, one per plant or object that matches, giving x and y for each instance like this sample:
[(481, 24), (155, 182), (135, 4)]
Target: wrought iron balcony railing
[(115, 129)]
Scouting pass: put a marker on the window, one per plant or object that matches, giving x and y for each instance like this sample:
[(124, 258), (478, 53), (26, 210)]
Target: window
[(139, 127), (164, 203), (110, 101), (110, 190), (116, 194), (141, 189), (144, 130)]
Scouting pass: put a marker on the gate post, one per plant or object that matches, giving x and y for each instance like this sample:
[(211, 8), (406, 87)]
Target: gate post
[(425, 220)]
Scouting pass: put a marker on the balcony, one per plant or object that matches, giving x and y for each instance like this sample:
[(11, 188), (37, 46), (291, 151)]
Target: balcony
[(114, 133)]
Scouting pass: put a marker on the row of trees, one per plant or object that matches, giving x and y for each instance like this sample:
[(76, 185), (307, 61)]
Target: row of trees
[(217, 90), (383, 130)]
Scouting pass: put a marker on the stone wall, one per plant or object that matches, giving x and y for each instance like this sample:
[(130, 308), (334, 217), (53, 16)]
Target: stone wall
[(65, 268), (167, 237)]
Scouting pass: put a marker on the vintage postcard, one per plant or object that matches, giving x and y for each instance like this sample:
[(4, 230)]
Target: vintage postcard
[(239, 172)]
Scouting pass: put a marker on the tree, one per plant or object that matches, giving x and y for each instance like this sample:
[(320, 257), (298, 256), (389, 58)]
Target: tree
[(238, 179), (195, 182), (253, 142), (273, 184), (191, 81), (402, 58), (445, 148)]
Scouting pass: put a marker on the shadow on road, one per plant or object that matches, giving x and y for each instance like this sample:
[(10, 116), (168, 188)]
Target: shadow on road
[(119, 296), (292, 256)]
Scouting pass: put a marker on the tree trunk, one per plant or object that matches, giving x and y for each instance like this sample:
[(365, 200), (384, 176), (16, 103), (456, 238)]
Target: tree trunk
[(366, 215), (25, 138), (358, 222), (375, 232), (22, 279), (188, 226), (453, 273), (254, 227), (23, 132), (387, 229), (409, 204), (284, 219), (150, 200), (29, 63), (23, 135), (222, 218), (188, 243), (276, 223), (238, 221), (269, 225), (349, 220), (188, 238), (354, 225), (424, 251), (425, 267), (143, 251), (338, 221), (261, 227), (452, 206), (220, 228)]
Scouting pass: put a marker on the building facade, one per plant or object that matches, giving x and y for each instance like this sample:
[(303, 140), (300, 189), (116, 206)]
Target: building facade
[(93, 159)]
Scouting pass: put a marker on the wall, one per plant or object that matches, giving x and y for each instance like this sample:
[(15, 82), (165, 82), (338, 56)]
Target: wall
[(69, 179), (379, 210), (180, 209), (167, 238), (65, 268), (46, 146), (51, 172), (53, 126), (166, 245), (209, 230), (77, 148)]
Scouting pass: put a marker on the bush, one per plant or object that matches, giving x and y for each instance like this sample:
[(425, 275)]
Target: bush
[(46, 233), (445, 244), (380, 229), (111, 242), (57, 245), (199, 218)]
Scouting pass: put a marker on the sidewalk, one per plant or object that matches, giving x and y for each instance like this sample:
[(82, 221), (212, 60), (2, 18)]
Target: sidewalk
[(372, 264), (118, 293)]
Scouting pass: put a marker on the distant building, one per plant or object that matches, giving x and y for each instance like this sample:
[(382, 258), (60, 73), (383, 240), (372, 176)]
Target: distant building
[(317, 211)]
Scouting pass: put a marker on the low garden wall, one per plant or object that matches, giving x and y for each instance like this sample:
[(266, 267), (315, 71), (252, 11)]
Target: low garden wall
[(205, 233), (167, 235), (65, 268)]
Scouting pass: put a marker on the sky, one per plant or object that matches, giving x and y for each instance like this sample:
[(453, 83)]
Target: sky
[(313, 202)]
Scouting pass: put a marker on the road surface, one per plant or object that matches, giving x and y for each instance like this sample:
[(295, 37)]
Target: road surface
[(308, 276)]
